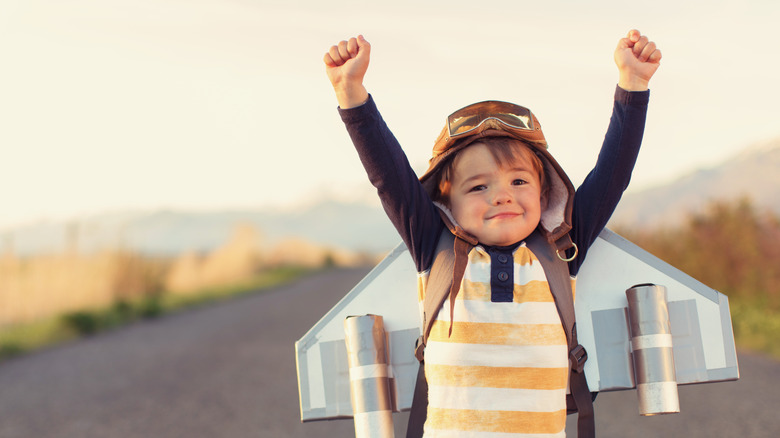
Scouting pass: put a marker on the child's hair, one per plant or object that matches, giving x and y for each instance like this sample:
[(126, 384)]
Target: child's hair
[(504, 150)]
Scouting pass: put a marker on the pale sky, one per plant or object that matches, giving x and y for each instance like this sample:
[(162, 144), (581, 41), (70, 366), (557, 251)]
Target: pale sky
[(109, 105)]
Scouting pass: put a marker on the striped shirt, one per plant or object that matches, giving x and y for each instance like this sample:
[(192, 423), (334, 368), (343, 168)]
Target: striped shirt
[(503, 372)]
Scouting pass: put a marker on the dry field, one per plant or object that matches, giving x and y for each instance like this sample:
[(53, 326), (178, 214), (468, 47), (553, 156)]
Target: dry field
[(44, 286)]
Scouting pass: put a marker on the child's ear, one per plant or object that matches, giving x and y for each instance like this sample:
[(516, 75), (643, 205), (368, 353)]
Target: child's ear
[(543, 201)]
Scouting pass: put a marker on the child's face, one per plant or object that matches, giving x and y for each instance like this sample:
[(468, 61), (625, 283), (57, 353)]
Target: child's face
[(498, 204)]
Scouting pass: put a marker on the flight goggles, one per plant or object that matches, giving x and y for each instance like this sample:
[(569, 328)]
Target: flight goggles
[(472, 117)]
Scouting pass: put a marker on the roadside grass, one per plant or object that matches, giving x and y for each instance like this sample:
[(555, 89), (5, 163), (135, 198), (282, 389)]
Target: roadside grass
[(27, 337), (756, 326)]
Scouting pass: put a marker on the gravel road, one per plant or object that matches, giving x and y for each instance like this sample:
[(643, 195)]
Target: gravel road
[(228, 370)]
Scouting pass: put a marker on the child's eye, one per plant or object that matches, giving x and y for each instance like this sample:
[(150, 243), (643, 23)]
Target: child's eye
[(519, 182), (478, 188)]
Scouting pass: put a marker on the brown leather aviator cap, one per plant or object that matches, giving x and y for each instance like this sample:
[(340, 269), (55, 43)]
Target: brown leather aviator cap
[(503, 119)]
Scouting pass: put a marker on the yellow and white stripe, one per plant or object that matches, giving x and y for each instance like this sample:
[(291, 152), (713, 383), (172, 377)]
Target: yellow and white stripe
[(504, 370)]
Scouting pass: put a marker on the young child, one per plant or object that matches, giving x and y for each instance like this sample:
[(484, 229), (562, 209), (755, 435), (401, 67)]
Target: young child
[(496, 360)]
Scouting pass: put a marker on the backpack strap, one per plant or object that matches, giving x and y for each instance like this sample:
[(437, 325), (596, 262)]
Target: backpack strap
[(557, 272), (419, 411)]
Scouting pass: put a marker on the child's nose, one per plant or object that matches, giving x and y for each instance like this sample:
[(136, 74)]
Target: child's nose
[(501, 196)]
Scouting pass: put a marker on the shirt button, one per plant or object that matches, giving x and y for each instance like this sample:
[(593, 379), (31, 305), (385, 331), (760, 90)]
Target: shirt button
[(503, 258), (503, 276)]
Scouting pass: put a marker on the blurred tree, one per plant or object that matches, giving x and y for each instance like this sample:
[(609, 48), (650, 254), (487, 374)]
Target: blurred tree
[(730, 247)]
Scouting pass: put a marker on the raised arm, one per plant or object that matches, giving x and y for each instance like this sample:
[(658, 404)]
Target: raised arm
[(637, 60), (405, 201)]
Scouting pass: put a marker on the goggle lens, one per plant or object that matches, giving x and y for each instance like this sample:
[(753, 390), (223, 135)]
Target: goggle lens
[(470, 118)]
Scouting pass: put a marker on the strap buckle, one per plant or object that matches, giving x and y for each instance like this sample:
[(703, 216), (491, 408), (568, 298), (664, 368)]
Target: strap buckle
[(578, 356), (419, 349)]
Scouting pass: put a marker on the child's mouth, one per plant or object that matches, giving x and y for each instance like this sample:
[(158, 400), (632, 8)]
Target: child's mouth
[(506, 215)]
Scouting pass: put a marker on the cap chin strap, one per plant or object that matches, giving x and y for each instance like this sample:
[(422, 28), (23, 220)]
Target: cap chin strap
[(462, 249), (464, 241)]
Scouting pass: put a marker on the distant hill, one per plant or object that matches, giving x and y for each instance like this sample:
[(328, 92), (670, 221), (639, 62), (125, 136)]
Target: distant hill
[(754, 173), (344, 225), (363, 227)]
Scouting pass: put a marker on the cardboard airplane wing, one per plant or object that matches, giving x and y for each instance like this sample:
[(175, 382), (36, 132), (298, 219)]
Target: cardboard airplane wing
[(703, 340)]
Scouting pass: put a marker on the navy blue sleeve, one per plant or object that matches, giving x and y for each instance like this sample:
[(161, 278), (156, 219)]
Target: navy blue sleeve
[(405, 202), (600, 192)]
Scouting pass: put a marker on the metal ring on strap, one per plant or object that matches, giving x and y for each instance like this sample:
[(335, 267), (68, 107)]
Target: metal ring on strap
[(576, 250)]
